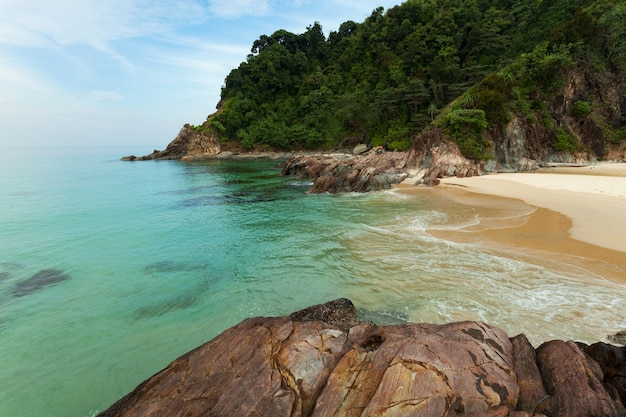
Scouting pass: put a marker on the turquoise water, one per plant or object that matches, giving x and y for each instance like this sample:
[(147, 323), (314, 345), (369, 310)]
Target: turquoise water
[(145, 260)]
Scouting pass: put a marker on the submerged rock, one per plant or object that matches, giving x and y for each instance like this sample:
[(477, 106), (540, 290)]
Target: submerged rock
[(618, 338), (40, 280), (322, 362)]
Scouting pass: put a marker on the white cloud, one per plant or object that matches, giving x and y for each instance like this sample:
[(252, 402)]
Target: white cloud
[(37, 23)]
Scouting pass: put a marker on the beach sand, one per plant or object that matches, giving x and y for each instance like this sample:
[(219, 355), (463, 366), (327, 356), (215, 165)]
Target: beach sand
[(577, 214)]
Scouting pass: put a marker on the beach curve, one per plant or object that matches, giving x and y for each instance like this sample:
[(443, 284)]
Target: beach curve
[(593, 197)]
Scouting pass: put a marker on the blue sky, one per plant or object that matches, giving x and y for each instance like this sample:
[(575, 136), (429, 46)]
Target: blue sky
[(132, 72)]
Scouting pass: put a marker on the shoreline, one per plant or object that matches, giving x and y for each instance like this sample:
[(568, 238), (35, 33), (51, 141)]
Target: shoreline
[(576, 213), (596, 204)]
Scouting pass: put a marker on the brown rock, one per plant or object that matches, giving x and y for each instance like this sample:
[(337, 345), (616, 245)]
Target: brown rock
[(574, 382), (261, 367), (338, 173), (531, 389), (321, 361), (425, 370), (188, 145), (612, 361)]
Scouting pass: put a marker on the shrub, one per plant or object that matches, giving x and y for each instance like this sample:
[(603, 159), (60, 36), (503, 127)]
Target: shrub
[(218, 126), (618, 136), (493, 95), (466, 128), (378, 140), (400, 145), (564, 142), (581, 109)]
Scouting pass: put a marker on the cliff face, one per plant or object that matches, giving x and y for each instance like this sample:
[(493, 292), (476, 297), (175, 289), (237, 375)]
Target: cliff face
[(587, 111), (323, 362), (190, 144)]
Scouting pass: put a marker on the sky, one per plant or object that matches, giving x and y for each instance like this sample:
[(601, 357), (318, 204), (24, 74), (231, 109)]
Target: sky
[(133, 72)]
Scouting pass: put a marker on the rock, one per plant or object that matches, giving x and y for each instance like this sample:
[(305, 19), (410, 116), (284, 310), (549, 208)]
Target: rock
[(619, 337), (40, 280), (190, 144), (321, 361), (574, 382), (341, 313), (261, 367), (422, 369), (441, 158), (612, 361), (531, 389), (338, 173), (359, 149)]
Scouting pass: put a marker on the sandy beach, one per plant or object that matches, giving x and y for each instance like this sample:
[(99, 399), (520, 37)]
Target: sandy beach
[(577, 212), (593, 197)]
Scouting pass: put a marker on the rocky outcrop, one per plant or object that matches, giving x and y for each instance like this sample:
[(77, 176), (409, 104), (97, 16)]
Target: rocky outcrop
[(528, 142), (322, 361), (574, 381), (190, 144), (432, 155), (441, 158), (337, 173)]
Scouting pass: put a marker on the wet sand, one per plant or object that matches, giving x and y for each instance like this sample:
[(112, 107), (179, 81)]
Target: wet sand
[(572, 216)]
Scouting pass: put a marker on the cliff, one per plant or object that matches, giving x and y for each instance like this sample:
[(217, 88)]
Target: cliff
[(322, 361), (190, 144)]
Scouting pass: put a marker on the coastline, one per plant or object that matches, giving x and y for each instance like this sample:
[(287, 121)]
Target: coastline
[(575, 212)]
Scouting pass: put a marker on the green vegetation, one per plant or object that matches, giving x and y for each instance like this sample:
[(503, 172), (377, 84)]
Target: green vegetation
[(466, 127), (564, 141), (465, 66), (581, 109)]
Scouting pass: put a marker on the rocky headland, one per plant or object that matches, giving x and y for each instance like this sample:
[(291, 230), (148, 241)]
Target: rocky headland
[(361, 168), (323, 361)]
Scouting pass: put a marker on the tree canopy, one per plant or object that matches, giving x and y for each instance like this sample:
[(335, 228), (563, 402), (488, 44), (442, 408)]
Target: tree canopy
[(463, 65)]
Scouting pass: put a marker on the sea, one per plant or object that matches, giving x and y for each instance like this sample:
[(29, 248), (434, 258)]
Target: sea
[(111, 269)]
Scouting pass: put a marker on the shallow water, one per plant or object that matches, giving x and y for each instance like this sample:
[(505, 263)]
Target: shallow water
[(157, 257)]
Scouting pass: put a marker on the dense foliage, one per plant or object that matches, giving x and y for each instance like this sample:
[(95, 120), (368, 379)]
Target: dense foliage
[(464, 65)]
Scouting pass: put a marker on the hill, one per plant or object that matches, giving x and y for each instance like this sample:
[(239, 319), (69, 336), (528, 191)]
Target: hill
[(508, 81)]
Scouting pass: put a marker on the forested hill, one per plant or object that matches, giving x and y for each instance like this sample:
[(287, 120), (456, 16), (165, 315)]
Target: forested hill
[(471, 68)]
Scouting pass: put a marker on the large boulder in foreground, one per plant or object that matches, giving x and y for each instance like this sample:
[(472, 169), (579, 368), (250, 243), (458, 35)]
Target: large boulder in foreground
[(323, 362)]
